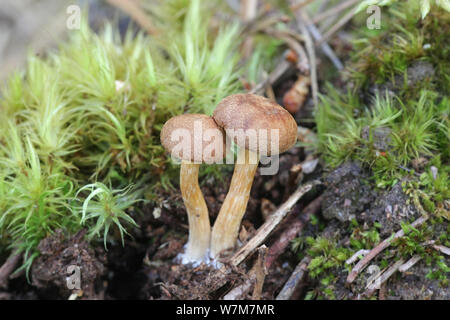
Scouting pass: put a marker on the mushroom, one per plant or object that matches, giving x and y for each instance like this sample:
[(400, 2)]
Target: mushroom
[(194, 139), (259, 127)]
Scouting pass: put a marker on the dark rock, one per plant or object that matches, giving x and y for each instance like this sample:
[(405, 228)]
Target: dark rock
[(347, 193), (390, 209), (418, 71)]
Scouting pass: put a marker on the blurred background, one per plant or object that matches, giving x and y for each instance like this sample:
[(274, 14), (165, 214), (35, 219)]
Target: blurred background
[(37, 25)]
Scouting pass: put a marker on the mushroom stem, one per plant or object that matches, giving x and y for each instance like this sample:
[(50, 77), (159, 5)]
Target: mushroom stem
[(199, 226), (226, 228)]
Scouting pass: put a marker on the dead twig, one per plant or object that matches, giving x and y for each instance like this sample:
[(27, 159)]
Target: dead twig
[(299, 17), (333, 11), (272, 222), (379, 281), (239, 292), (294, 280), (247, 12), (256, 277), (280, 245), (7, 268), (379, 248), (131, 8), (299, 5), (410, 263), (356, 256), (276, 74), (302, 64), (338, 25), (442, 249), (327, 50), (260, 272)]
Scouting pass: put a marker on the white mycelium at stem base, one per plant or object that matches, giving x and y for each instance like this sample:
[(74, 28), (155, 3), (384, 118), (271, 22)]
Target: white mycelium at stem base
[(199, 227), (226, 227)]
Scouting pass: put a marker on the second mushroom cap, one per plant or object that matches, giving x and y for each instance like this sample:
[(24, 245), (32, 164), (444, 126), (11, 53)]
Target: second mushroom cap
[(249, 114)]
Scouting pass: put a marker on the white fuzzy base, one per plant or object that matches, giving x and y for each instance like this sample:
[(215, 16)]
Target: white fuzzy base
[(182, 258)]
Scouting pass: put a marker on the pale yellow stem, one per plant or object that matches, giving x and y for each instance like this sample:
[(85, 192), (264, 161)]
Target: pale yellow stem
[(226, 228), (199, 226)]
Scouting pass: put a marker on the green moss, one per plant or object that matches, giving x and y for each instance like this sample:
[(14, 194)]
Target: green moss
[(415, 120), (417, 242), (403, 38)]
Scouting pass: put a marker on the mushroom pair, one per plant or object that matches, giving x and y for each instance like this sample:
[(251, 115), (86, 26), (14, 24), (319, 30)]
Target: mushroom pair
[(259, 127)]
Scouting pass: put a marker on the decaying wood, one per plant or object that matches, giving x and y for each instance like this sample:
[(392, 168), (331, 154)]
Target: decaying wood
[(272, 222), (379, 248), (281, 244), (294, 280), (7, 268)]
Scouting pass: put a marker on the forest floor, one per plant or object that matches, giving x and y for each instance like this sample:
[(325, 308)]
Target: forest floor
[(346, 238)]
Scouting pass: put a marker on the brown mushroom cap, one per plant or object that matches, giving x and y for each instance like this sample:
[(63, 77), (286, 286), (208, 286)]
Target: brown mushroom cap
[(180, 138), (249, 111)]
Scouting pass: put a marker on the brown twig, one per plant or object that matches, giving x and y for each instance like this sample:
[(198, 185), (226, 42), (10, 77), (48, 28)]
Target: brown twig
[(271, 223), (410, 263), (276, 74), (327, 50), (379, 281), (247, 12), (7, 268), (280, 245), (338, 25), (442, 249), (379, 248), (136, 13), (299, 17), (260, 272), (294, 280), (302, 64), (333, 11), (255, 278), (239, 292), (299, 5), (354, 257)]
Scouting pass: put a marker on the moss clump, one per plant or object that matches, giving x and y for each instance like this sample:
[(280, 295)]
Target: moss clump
[(392, 116), (384, 55)]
